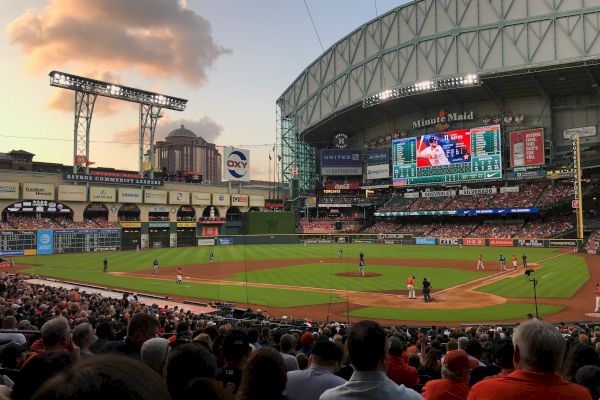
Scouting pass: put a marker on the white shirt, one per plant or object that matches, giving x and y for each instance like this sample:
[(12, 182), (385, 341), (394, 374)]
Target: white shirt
[(369, 385), (16, 337), (310, 383), (438, 155), (291, 363)]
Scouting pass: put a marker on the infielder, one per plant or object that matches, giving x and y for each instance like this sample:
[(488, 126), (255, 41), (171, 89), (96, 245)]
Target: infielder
[(155, 265), (178, 275), (480, 262), (410, 285), (361, 264), (502, 263), (515, 262)]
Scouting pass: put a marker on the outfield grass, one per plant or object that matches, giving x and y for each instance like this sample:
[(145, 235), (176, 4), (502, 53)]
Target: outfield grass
[(324, 276), (560, 277), (501, 312)]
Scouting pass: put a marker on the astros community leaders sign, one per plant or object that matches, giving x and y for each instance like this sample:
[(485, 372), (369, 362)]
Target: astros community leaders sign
[(111, 179)]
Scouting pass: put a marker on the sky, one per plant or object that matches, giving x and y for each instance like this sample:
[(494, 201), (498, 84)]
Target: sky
[(231, 59)]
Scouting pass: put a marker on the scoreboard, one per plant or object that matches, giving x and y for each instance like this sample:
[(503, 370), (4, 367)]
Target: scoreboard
[(448, 157), (13, 242), (86, 240)]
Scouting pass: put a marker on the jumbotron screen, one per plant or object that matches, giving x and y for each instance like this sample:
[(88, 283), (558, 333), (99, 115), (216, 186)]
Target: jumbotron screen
[(454, 156)]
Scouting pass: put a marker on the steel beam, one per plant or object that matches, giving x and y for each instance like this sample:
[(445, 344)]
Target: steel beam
[(149, 116), (84, 108)]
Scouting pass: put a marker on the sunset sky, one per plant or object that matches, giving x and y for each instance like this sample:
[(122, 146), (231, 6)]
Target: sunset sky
[(230, 58)]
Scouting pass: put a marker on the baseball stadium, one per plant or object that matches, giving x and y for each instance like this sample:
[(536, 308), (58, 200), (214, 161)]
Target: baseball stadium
[(450, 142)]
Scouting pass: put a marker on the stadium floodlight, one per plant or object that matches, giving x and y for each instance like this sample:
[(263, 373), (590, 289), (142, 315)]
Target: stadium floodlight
[(107, 89), (455, 82), (86, 90)]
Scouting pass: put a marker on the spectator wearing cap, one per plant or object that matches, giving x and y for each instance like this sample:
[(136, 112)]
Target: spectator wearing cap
[(307, 340), (309, 384), (456, 370), (141, 327), (398, 370), (154, 353), (10, 323), (236, 350), (368, 350), (287, 344), (538, 353)]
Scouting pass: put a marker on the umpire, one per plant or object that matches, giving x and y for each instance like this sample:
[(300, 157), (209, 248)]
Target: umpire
[(426, 290)]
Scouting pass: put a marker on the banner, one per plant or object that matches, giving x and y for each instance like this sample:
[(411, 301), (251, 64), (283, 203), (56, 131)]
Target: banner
[(44, 241), (411, 195), (501, 242), (337, 162), (520, 175), (38, 191), (378, 156), (527, 147), (236, 164), (563, 243), (425, 241), (72, 193), (530, 243), (130, 195), (177, 197), (131, 224), (450, 241), (257, 201), (220, 199), (438, 193), (9, 190), (311, 201), (473, 192), (509, 189), (111, 179), (342, 186), (103, 194), (473, 242), (201, 199), (155, 196), (206, 242), (489, 211), (327, 205), (378, 171), (159, 225), (224, 241), (239, 200), (186, 224), (584, 131)]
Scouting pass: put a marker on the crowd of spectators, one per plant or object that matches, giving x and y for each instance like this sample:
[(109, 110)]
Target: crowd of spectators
[(33, 221), (89, 346), (503, 230), (560, 192), (593, 243), (547, 228)]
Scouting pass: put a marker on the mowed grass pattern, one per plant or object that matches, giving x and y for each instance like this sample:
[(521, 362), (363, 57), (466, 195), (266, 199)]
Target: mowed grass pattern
[(560, 277), (323, 275), (501, 312)]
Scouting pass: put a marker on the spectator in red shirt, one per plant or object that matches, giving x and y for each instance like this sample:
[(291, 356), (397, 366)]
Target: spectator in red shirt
[(538, 355), (398, 370), (456, 370)]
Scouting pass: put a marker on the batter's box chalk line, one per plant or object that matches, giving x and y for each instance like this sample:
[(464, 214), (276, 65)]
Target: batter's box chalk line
[(593, 314)]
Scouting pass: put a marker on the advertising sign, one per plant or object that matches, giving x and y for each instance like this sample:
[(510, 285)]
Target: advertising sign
[(378, 171), (44, 241), (220, 199), (155, 196), (224, 241), (473, 242), (257, 201), (425, 241), (342, 186), (509, 189), (527, 148), (501, 242), (201, 199), (378, 156), (236, 164), (38, 191), (530, 243), (239, 200), (473, 192), (584, 131), (454, 156), (178, 197), (206, 242), (562, 243), (450, 241), (72, 193), (110, 178), (521, 175), (438, 193), (103, 194), (186, 224), (338, 162), (130, 195), (9, 190)]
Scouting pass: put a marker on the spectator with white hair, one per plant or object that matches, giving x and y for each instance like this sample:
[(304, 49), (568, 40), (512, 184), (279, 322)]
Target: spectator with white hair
[(56, 336), (83, 337), (154, 353), (538, 353)]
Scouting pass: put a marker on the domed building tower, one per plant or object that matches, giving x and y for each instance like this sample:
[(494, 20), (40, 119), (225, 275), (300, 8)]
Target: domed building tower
[(185, 154)]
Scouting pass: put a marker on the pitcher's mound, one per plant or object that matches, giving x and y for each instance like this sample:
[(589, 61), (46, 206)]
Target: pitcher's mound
[(355, 274)]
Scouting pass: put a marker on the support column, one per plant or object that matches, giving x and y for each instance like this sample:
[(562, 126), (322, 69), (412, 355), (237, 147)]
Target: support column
[(84, 108), (149, 116)]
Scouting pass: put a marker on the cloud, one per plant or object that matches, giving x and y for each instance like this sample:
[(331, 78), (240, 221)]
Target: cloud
[(155, 37), (62, 100), (204, 127)]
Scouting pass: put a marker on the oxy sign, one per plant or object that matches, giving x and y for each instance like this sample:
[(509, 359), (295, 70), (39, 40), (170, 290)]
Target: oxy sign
[(236, 164)]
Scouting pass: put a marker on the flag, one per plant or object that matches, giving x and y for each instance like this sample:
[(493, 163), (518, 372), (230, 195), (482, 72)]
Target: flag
[(270, 158), (279, 158)]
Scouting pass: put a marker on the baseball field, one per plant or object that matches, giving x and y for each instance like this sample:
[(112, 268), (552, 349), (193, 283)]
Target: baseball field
[(312, 281)]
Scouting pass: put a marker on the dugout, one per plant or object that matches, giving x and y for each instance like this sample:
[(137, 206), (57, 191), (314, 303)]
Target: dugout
[(159, 234), (131, 235), (186, 234)]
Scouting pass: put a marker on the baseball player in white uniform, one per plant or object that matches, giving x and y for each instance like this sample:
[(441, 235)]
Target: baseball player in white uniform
[(434, 153)]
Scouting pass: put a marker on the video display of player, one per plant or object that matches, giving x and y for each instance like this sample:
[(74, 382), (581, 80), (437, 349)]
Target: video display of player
[(448, 148)]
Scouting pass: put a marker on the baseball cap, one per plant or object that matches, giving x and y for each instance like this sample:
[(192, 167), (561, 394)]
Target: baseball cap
[(432, 139), (307, 338), (458, 361)]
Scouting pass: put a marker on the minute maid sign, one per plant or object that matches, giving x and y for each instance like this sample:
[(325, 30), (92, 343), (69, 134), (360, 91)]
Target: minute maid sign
[(443, 120)]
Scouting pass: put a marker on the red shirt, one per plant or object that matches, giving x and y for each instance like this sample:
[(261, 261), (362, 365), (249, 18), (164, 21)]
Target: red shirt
[(410, 281), (445, 389), (178, 271), (402, 373), (528, 385)]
